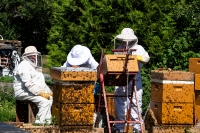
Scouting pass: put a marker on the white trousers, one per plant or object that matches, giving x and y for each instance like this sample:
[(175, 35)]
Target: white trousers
[(43, 104), (123, 103)]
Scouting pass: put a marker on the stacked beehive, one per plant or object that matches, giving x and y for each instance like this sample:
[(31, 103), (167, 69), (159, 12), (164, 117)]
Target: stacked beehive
[(73, 96), (172, 96), (194, 66)]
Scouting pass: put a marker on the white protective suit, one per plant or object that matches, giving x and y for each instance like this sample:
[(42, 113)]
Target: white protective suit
[(122, 103), (28, 83)]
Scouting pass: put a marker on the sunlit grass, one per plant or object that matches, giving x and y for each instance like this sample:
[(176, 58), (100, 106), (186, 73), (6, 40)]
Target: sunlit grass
[(7, 111), (7, 105)]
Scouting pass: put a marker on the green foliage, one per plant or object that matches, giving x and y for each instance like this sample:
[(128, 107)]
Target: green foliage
[(110, 88), (7, 104), (27, 21), (6, 79)]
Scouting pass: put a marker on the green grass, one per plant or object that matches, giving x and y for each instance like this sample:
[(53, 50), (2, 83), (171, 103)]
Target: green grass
[(6, 79), (7, 105)]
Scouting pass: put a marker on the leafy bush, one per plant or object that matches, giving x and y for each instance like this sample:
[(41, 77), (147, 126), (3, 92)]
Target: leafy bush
[(6, 79), (7, 104)]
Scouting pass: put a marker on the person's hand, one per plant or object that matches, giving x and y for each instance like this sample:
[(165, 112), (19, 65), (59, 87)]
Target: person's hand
[(45, 95), (51, 94), (139, 57)]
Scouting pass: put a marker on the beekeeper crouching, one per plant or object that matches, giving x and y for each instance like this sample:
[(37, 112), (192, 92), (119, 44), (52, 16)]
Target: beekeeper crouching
[(29, 84), (128, 40)]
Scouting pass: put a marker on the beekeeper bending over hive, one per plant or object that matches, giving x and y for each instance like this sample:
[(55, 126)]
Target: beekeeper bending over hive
[(80, 56), (29, 84), (128, 40)]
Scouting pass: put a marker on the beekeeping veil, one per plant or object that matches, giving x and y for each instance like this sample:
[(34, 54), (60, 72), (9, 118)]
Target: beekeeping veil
[(33, 56), (127, 37)]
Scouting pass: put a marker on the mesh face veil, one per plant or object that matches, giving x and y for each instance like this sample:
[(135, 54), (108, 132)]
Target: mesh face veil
[(34, 58), (127, 38), (124, 44)]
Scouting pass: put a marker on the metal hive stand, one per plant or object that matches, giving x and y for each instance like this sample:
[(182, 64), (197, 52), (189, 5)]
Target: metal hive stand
[(102, 101)]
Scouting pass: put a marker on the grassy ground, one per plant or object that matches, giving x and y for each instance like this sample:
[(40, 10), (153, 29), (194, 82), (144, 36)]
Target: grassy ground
[(7, 104)]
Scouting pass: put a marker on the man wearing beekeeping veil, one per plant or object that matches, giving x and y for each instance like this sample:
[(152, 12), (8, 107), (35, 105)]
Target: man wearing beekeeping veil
[(128, 40), (29, 84)]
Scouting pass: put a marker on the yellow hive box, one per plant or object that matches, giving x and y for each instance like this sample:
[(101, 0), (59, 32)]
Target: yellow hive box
[(73, 93), (197, 97), (172, 75), (113, 69), (197, 113), (172, 91), (173, 113), (110, 103), (73, 74), (73, 114), (194, 65), (197, 82)]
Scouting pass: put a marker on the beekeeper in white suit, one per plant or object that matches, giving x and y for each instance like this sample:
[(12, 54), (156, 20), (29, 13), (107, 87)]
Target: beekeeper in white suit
[(80, 56), (29, 84), (128, 40)]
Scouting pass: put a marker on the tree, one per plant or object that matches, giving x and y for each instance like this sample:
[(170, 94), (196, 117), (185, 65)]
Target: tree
[(27, 21)]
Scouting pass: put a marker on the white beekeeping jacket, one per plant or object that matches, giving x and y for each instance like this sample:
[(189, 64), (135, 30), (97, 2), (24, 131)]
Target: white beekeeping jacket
[(28, 79)]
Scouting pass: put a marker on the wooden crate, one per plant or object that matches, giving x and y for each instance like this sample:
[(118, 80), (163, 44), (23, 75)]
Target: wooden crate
[(113, 68), (26, 111), (73, 114), (172, 75), (172, 92), (73, 93), (172, 113), (73, 74), (197, 82), (194, 65)]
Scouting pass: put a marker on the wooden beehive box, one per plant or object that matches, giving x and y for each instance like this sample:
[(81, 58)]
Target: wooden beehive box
[(73, 92), (197, 106), (172, 86), (73, 74), (113, 69), (197, 82), (73, 114), (197, 113), (194, 65), (173, 113), (197, 97), (172, 92), (110, 103)]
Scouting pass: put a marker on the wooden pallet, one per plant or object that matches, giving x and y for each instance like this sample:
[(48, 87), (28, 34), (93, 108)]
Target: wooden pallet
[(58, 129)]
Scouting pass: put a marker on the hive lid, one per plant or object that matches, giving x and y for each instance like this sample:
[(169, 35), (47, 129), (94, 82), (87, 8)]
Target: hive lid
[(62, 69), (73, 74), (172, 75)]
